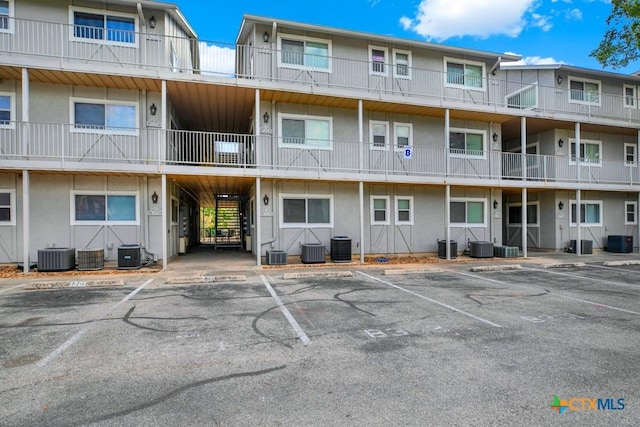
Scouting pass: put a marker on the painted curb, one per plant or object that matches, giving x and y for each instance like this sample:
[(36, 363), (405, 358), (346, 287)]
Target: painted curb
[(496, 268), (289, 276), (205, 279), (617, 263), (565, 265), (74, 284)]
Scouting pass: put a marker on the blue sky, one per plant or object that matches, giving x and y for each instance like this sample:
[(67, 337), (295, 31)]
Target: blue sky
[(541, 31)]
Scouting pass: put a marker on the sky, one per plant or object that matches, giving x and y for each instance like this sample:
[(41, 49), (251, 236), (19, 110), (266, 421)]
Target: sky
[(541, 31)]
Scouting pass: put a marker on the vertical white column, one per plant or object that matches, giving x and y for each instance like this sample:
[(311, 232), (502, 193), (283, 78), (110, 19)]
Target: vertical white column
[(524, 222), (256, 131), (258, 219), (163, 126), (447, 220), (523, 156), (578, 192), (447, 143), (360, 135), (26, 223), (361, 196), (165, 226)]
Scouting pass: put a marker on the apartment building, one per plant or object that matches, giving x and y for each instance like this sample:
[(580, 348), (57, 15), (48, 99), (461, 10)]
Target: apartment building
[(119, 126)]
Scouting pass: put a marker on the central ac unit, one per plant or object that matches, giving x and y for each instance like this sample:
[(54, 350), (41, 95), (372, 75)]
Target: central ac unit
[(56, 259), (129, 257), (276, 257), (90, 259), (312, 253), (481, 250)]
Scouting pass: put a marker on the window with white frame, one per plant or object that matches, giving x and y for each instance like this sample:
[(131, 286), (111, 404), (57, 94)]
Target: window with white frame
[(590, 213), (378, 134), (91, 115), (305, 131), (104, 208), (630, 155), (467, 212), (7, 207), (584, 91), (7, 111), (304, 53), (629, 96), (466, 74), (403, 134), (378, 57), (306, 210), (630, 209), (6, 16), (464, 142), (589, 151), (404, 210), (401, 64), (380, 210), (514, 214), (101, 26)]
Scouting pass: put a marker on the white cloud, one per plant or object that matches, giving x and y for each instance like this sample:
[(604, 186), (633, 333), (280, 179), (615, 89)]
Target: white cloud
[(541, 21), (442, 19), (574, 14), (216, 60)]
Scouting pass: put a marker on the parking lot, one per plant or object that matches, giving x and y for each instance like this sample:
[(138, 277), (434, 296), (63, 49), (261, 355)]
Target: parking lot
[(350, 346)]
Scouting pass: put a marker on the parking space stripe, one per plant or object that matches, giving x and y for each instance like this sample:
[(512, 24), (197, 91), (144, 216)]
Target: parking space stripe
[(287, 314), (15, 287), (550, 293), (593, 279), (457, 310), (67, 344)]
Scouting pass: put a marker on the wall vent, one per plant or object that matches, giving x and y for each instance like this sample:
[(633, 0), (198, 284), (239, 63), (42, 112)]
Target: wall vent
[(56, 259)]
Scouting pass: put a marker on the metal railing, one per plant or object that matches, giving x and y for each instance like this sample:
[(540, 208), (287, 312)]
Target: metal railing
[(67, 45), (68, 143)]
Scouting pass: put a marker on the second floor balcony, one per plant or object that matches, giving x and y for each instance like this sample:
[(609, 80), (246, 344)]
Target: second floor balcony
[(66, 147), (69, 47)]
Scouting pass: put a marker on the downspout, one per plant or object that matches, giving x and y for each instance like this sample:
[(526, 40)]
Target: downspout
[(274, 53)]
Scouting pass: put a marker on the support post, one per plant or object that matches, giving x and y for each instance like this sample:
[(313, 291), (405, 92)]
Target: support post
[(361, 197), (26, 223), (165, 225), (578, 192), (524, 221), (258, 223), (447, 220), (360, 136), (447, 144)]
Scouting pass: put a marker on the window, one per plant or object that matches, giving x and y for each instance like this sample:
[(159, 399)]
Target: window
[(630, 154), (379, 134), (304, 52), (7, 119), (468, 212), (108, 116), (404, 210), (589, 151), (111, 27), (6, 15), (305, 131), (630, 209), (464, 142), (104, 208), (590, 213), (378, 57), (401, 64), (515, 214), (629, 96), (403, 135), (7, 207), (584, 91), (307, 211), (380, 210), (464, 74)]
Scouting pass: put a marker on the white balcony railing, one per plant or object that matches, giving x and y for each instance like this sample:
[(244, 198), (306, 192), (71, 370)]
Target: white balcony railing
[(67, 46), (64, 143)]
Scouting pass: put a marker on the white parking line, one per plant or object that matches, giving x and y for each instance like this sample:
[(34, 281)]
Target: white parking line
[(292, 321), (457, 310), (550, 293), (58, 351), (593, 279), (15, 287)]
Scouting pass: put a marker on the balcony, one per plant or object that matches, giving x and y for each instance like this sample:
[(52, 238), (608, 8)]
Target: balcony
[(57, 45), (65, 147)]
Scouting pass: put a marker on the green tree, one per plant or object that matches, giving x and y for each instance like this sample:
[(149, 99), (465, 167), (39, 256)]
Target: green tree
[(621, 42)]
